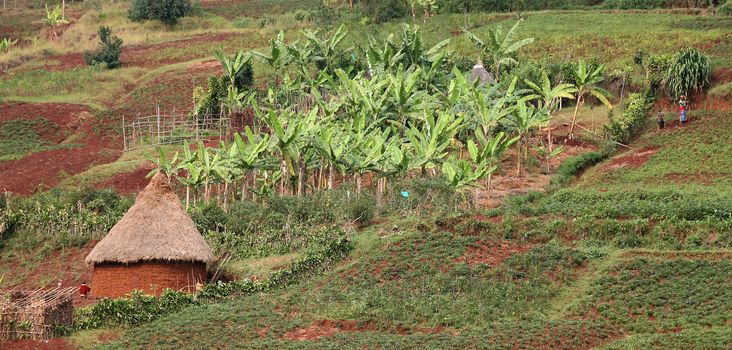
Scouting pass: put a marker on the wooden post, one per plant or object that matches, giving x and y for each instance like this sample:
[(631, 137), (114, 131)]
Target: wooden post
[(124, 134), (158, 120)]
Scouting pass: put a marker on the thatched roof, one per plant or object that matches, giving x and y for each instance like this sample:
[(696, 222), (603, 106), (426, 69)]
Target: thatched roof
[(157, 227), (479, 72)]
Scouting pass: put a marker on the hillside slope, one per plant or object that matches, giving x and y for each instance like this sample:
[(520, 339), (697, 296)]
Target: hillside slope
[(631, 270)]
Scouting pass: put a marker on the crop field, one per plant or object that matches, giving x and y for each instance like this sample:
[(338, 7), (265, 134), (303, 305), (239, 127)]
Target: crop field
[(368, 193)]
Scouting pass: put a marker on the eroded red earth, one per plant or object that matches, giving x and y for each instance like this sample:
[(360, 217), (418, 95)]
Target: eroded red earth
[(46, 169)]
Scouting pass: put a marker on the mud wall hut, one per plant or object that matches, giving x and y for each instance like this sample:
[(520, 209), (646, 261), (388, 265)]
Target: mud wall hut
[(153, 247)]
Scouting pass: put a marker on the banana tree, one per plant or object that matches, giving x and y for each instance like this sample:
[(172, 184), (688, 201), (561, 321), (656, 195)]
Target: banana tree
[(332, 144), (193, 178), (54, 18), (550, 95), (430, 143), (277, 57), (164, 165), (586, 82), (524, 119), (211, 165), (489, 151), (233, 66), (500, 48), (325, 48), (247, 155), (406, 99)]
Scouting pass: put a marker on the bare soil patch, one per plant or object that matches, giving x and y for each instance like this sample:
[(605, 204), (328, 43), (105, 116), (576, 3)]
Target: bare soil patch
[(327, 328), (634, 160), (492, 253), (129, 182), (145, 55), (53, 344), (44, 169)]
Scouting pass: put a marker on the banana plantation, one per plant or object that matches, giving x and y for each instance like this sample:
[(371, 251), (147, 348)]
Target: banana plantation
[(391, 109)]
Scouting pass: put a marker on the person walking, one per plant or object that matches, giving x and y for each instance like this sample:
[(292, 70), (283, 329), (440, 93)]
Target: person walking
[(682, 110), (84, 290)]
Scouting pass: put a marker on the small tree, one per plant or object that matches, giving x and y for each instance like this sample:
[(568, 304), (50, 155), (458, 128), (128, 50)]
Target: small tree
[(688, 71), (108, 54), (166, 11), (54, 18)]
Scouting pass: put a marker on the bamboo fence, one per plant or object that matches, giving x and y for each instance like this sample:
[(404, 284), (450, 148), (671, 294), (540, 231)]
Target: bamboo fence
[(37, 315)]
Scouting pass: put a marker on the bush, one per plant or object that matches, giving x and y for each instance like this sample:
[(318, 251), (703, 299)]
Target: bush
[(108, 54), (243, 22), (633, 4), (689, 71), (574, 165), (725, 9), (387, 10), (632, 121), (166, 11), (208, 101)]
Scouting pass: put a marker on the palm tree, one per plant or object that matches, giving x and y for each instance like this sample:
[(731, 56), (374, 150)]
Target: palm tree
[(586, 80), (499, 48)]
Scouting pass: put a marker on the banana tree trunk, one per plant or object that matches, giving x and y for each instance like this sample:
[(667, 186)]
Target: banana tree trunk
[(188, 196), (574, 118), (226, 192), (331, 176), (518, 156), (300, 176), (358, 182)]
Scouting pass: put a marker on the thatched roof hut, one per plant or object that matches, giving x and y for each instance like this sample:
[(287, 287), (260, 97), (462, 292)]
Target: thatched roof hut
[(155, 245), (479, 72)]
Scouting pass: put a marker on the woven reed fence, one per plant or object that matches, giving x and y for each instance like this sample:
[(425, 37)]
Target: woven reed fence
[(37, 315)]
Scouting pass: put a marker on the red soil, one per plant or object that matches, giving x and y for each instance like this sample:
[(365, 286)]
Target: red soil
[(491, 253), (66, 116), (53, 344), (130, 182), (327, 328), (67, 61), (66, 265), (700, 178), (634, 160), (24, 175), (144, 55)]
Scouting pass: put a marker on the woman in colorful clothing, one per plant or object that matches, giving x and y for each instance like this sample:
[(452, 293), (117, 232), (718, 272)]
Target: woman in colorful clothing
[(682, 109)]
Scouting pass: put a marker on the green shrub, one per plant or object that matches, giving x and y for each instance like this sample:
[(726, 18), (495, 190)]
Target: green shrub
[(208, 101), (633, 4), (109, 52), (689, 71), (725, 9), (387, 10), (573, 166), (632, 121), (166, 11), (243, 22)]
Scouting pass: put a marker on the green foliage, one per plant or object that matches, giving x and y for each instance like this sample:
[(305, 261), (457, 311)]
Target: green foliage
[(647, 295), (631, 121), (108, 54), (633, 4), (208, 101), (6, 44), (573, 166), (689, 71), (168, 12), (386, 10), (725, 9), (61, 218)]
